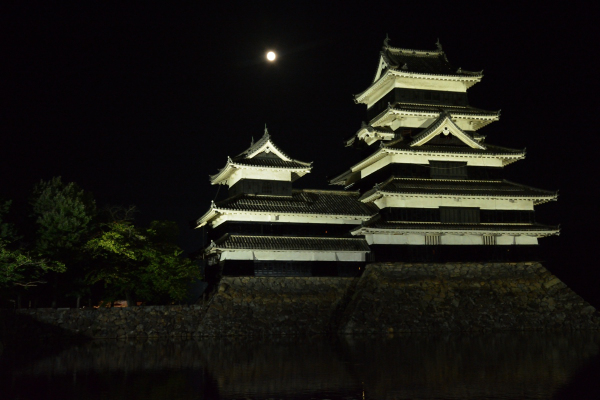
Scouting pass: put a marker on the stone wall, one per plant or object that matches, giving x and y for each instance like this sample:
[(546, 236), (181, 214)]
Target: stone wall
[(151, 321), (405, 297), (256, 306), (393, 297)]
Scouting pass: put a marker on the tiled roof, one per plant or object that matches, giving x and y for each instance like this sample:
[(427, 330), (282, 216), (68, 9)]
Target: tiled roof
[(330, 202), (463, 188), (432, 63), (270, 163), (258, 144), (381, 224), (274, 158), (242, 242), (438, 108), (490, 149)]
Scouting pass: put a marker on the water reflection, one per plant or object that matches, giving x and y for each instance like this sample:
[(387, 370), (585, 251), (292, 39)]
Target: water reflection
[(459, 366)]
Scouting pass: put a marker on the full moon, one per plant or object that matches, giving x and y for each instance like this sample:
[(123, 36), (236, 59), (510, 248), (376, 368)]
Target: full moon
[(271, 56)]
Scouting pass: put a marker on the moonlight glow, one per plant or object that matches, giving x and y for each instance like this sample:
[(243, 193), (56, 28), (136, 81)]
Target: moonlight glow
[(271, 56)]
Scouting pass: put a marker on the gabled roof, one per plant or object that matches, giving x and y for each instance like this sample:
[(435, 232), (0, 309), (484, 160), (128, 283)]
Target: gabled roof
[(302, 202), (427, 64), (460, 188), (264, 146), (287, 243), (261, 154), (445, 126), (432, 62)]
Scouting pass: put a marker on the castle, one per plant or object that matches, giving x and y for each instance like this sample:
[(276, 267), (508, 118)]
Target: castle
[(429, 187)]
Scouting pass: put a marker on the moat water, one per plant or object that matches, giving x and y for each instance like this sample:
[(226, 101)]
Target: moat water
[(509, 365)]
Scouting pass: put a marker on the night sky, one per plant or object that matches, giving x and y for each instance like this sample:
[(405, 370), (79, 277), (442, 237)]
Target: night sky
[(139, 104)]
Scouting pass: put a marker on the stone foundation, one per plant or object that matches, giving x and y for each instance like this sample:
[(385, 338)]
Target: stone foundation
[(151, 321), (403, 297), (256, 306), (392, 297)]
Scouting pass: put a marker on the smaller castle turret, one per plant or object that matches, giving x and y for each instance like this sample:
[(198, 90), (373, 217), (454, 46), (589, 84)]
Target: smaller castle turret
[(265, 227)]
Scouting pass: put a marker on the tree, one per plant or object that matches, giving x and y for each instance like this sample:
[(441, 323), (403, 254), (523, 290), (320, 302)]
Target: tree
[(7, 231), (18, 267), (64, 215), (141, 262)]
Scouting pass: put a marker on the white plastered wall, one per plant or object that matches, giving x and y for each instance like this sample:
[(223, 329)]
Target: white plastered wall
[(423, 159), (413, 83), (264, 174), (266, 255), (483, 203), (447, 239), (286, 218)]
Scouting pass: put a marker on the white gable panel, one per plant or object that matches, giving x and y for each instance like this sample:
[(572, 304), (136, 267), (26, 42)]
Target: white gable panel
[(446, 127)]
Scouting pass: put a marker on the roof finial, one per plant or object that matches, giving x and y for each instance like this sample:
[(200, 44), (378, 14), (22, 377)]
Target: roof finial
[(386, 41), (252, 141), (405, 66), (266, 130), (438, 44)]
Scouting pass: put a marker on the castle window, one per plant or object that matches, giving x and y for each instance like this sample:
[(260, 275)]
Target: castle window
[(448, 170), (465, 215), (489, 240), (267, 187), (432, 240)]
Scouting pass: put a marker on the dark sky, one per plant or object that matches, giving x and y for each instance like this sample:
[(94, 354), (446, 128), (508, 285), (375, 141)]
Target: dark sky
[(138, 104)]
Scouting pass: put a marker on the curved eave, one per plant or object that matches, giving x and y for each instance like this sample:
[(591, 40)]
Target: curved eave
[(343, 178), (471, 77), (215, 249), (374, 194), (383, 151), (478, 120), (512, 157), (468, 80), (226, 211), (221, 177), (359, 98), (449, 231), (406, 112), (373, 158), (207, 217)]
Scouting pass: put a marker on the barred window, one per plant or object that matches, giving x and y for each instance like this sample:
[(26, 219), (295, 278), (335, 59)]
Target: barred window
[(489, 240)]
